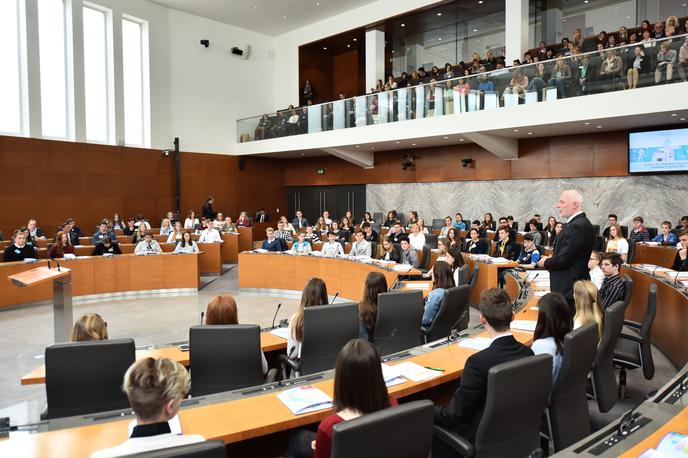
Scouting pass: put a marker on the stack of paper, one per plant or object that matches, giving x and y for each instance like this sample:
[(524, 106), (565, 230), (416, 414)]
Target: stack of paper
[(402, 268), (476, 343), (541, 293), (523, 325), (260, 250), (281, 332), (304, 399), (499, 261), (671, 445), (416, 372), (423, 286), (392, 375)]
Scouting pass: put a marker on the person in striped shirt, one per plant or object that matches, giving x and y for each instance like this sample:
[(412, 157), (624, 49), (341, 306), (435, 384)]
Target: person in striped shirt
[(613, 288)]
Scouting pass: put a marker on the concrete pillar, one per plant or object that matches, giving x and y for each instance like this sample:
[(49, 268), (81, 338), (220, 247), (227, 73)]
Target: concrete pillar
[(516, 29), (374, 57)]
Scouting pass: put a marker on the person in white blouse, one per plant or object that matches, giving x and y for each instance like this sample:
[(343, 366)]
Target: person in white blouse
[(186, 244), (616, 242), (210, 234), (326, 217), (176, 234), (191, 221), (332, 248), (596, 274), (219, 221), (421, 226), (361, 247), (447, 226), (165, 227), (147, 245), (416, 237), (287, 225)]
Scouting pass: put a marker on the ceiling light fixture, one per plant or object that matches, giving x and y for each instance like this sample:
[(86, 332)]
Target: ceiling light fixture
[(599, 127), (446, 138), (403, 25), (398, 142), (673, 114), (530, 133), (357, 146), (480, 2), (413, 144), (348, 46), (355, 39), (317, 4), (586, 123), (439, 39), (325, 48), (475, 30), (682, 119), (284, 17), (460, 139), (515, 130), (439, 14)]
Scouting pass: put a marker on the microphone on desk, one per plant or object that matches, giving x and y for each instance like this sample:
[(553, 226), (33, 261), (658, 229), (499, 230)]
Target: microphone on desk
[(58, 266), (456, 324), (626, 422), (653, 270), (389, 337), (335, 297), (275, 317), (50, 266), (202, 315)]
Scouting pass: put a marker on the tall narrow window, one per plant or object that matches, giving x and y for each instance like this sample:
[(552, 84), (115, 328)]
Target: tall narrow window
[(10, 89), (96, 81), (51, 42), (132, 54)]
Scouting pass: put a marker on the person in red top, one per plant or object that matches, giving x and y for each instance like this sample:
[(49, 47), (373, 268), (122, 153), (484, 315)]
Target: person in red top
[(358, 360)]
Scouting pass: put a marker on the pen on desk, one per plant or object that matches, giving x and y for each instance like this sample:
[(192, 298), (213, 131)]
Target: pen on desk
[(438, 369)]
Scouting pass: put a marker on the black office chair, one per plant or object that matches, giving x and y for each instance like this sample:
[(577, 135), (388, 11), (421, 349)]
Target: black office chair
[(397, 327), (633, 349), (568, 418), (401, 217), (598, 243), (425, 262), (431, 241), (378, 217), (510, 425), (402, 432), (631, 251), (207, 449), (225, 357), (604, 385), (86, 377), (437, 223), (488, 243), (453, 312), (628, 284), (652, 231), (326, 329), (624, 231), (596, 229), (464, 275)]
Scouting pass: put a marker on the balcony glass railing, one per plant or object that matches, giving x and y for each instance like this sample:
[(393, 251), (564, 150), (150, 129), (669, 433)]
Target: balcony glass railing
[(612, 69)]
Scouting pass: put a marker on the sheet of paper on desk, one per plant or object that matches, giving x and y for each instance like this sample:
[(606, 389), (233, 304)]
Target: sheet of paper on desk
[(541, 283), (402, 267), (416, 372), (541, 293), (392, 375), (672, 445), (499, 261), (281, 332), (260, 250), (422, 286), (175, 426), (304, 399), (538, 273), (476, 343), (523, 325)]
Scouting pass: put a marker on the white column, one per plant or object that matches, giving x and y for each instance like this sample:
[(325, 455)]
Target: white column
[(118, 73), (31, 108), (516, 29), (76, 95), (375, 57)]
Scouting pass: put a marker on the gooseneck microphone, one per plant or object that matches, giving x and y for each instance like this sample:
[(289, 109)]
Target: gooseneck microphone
[(275, 317), (389, 337), (456, 324), (336, 295), (202, 315)]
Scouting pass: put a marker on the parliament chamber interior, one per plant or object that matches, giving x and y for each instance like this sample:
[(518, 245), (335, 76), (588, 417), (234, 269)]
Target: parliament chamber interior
[(299, 228)]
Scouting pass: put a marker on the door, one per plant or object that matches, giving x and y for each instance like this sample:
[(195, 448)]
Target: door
[(313, 200)]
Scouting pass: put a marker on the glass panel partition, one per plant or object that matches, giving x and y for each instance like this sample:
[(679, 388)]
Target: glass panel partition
[(613, 69)]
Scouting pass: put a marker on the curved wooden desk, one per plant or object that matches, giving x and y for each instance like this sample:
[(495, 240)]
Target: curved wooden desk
[(103, 275), (669, 327), (275, 271), (657, 255)]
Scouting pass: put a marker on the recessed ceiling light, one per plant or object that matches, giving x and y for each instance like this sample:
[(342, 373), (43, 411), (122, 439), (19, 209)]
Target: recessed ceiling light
[(673, 114), (439, 14), (403, 25), (530, 133), (357, 146), (599, 127), (372, 147), (480, 2), (628, 17), (439, 39), (586, 123), (325, 48), (682, 119), (317, 4), (255, 8), (392, 51), (284, 17), (515, 130), (460, 139), (348, 46), (303, 154), (475, 30), (446, 138), (413, 144), (398, 143), (586, 1), (355, 39)]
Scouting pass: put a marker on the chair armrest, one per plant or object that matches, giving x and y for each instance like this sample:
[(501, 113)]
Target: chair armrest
[(454, 440), (631, 337), (271, 376), (633, 324), (293, 364)]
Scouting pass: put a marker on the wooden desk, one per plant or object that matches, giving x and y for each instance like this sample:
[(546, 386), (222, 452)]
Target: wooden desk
[(678, 424), (658, 255), (268, 342), (246, 238), (487, 276), (230, 248), (291, 272), (98, 275), (210, 261), (669, 327)]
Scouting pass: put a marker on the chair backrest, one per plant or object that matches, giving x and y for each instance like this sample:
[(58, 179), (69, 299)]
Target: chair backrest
[(488, 243), (402, 432), (397, 327), (224, 357), (437, 223), (464, 275), (454, 304), (207, 449), (652, 231), (645, 332), (431, 240), (474, 276), (326, 329), (510, 425), (426, 257), (628, 283), (401, 217), (624, 231), (568, 411), (631, 251), (378, 217), (598, 243), (603, 377), (596, 229), (86, 377)]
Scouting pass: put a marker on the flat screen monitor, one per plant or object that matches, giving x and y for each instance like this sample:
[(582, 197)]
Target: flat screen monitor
[(658, 151)]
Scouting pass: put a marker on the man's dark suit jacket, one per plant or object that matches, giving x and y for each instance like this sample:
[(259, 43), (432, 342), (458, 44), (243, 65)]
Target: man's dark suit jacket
[(295, 223), (465, 410), (275, 245), (569, 263)]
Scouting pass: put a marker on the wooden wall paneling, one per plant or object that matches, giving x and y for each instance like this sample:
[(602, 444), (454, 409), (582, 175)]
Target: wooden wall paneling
[(453, 169), (571, 156), (490, 167), (533, 159), (611, 154), (345, 74), (317, 68), (430, 165)]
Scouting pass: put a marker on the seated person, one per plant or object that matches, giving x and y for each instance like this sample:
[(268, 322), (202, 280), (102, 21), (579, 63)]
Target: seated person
[(532, 230), (482, 229), (369, 234), (106, 246), (358, 360), (299, 222), (553, 323), (311, 236), (588, 309), (186, 244), (18, 250), (341, 236), (611, 220), (35, 231), (60, 247), (271, 243), (302, 245), (613, 288), (156, 389), (454, 239), (416, 237), (395, 233), (616, 243), (503, 222), (475, 245), (148, 245), (314, 294), (681, 259), (665, 236), (447, 225), (72, 235), (282, 233), (103, 231), (332, 247), (210, 234), (222, 310), (130, 229), (596, 274), (139, 233), (505, 245), (228, 225), (529, 255), (219, 221), (367, 309), (361, 247), (191, 222), (89, 327), (243, 220), (287, 225), (442, 280), (638, 233), (165, 226), (459, 223), (176, 234), (391, 219), (465, 409), (328, 220), (389, 251), (408, 253), (683, 225)]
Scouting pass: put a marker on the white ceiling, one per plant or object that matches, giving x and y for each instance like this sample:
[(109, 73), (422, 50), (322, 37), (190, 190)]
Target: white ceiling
[(265, 16)]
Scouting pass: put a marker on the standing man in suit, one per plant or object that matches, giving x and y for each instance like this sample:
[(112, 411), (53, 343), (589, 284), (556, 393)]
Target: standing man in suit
[(569, 262), (465, 409), (262, 216), (208, 211), (299, 222)]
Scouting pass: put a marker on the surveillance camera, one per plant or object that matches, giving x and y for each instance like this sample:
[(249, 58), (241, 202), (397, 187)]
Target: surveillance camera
[(205, 43)]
